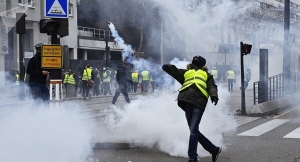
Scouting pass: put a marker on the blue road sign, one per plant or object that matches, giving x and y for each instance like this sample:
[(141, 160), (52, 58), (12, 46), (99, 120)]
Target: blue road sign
[(56, 8)]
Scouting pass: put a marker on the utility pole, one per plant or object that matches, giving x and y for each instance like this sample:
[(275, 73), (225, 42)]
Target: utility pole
[(286, 51)]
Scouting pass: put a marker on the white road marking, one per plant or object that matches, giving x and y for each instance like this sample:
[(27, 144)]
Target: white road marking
[(294, 134), (263, 128)]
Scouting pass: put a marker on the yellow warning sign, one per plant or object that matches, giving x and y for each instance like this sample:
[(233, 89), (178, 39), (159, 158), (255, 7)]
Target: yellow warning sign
[(51, 62), (52, 50), (52, 56)]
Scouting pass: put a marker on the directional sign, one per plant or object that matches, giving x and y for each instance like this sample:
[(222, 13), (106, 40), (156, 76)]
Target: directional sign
[(56, 8), (52, 56)]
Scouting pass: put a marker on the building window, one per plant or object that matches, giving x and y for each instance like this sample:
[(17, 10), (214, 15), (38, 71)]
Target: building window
[(70, 9), (21, 1), (30, 3)]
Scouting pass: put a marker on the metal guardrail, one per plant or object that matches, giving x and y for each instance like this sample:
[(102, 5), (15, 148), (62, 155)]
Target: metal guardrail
[(93, 32), (275, 88)]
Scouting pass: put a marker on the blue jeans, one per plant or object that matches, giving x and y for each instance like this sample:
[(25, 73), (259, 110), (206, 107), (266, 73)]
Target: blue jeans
[(39, 92), (193, 116)]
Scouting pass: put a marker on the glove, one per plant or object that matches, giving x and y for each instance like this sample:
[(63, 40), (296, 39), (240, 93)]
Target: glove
[(214, 100)]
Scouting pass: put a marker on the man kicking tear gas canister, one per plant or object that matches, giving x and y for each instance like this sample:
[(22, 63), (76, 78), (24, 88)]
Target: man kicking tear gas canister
[(197, 86)]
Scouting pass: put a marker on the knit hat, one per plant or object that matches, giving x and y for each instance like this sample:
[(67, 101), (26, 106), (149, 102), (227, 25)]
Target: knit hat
[(199, 61)]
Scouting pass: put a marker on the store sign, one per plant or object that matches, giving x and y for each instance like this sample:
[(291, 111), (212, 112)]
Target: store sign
[(4, 40), (52, 56)]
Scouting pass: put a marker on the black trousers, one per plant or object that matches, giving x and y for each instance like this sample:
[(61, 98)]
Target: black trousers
[(230, 84), (135, 84), (117, 94), (85, 89)]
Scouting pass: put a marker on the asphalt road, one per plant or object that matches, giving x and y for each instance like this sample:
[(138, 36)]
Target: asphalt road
[(261, 147), (270, 146)]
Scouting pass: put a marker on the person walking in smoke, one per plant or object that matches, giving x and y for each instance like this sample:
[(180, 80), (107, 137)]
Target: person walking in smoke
[(106, 81), (197, 86), (38, 78), (230, 77), (145, 77), (87, 74), (121, 79), (135, 79)]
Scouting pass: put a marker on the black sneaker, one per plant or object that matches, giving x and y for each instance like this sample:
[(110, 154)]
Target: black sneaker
[(216, 154)]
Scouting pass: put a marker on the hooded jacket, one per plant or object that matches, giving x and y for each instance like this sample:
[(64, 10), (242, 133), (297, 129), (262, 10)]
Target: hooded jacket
[(34, 69), (192, 94), (121, 77)]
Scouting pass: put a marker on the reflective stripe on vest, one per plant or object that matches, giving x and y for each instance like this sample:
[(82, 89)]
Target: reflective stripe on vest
[(17, 79), (106, 79), (145, 75), (231, 74), (69, 79), (214, 73), (87, 74), (198, 77), (135, 77)]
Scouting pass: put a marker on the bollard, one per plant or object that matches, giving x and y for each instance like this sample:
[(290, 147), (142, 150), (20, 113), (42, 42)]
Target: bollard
[(56, 93)]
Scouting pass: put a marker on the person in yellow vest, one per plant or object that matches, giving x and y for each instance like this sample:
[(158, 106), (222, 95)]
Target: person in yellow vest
[(70, 82), (135, 79), (145, 80), (197, 87), (214, 73), (230, 77), (106, 81), (87, 74), (152, 82)]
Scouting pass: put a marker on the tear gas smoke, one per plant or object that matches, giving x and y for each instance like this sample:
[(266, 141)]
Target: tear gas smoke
[(41, 134), (157, 121), (127, 49)]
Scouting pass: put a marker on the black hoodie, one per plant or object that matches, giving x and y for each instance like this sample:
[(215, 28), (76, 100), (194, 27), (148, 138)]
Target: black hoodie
[(121, 77), (34, 69)]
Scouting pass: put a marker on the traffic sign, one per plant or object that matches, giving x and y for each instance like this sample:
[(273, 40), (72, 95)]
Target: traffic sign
[(56, 8), (52, 56)]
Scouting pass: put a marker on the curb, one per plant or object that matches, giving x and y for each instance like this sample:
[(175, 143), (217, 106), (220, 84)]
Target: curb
[(275, 106), (111, 145)]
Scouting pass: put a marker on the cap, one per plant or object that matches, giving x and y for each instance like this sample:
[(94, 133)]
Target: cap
[(199, 61), (39, 45)]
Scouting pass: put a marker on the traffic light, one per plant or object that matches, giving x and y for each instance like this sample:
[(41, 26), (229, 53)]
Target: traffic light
[(246, 48), (20, 24), (49, 26), (58, 26)]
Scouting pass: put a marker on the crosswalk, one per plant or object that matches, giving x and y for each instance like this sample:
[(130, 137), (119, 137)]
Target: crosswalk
[(270, 125)]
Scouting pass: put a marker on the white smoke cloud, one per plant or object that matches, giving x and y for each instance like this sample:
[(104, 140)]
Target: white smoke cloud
[(157, 121), (42, 134), (127, 49)]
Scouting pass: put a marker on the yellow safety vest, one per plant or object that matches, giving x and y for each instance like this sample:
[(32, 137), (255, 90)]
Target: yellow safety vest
[(214, 73), (231, 74), (135, 77), (106, 79), (145, 75), (87, 74), (198, 77), (17, 79), (69, 79)]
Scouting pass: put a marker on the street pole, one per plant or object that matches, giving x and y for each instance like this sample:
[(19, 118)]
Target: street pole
[(243, 103), (21, 60), (107, 49), (55, 73), (286, 51)]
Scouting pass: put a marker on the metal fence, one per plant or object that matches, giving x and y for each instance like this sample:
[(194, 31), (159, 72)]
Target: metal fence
[(274, 88), (93, 32)]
